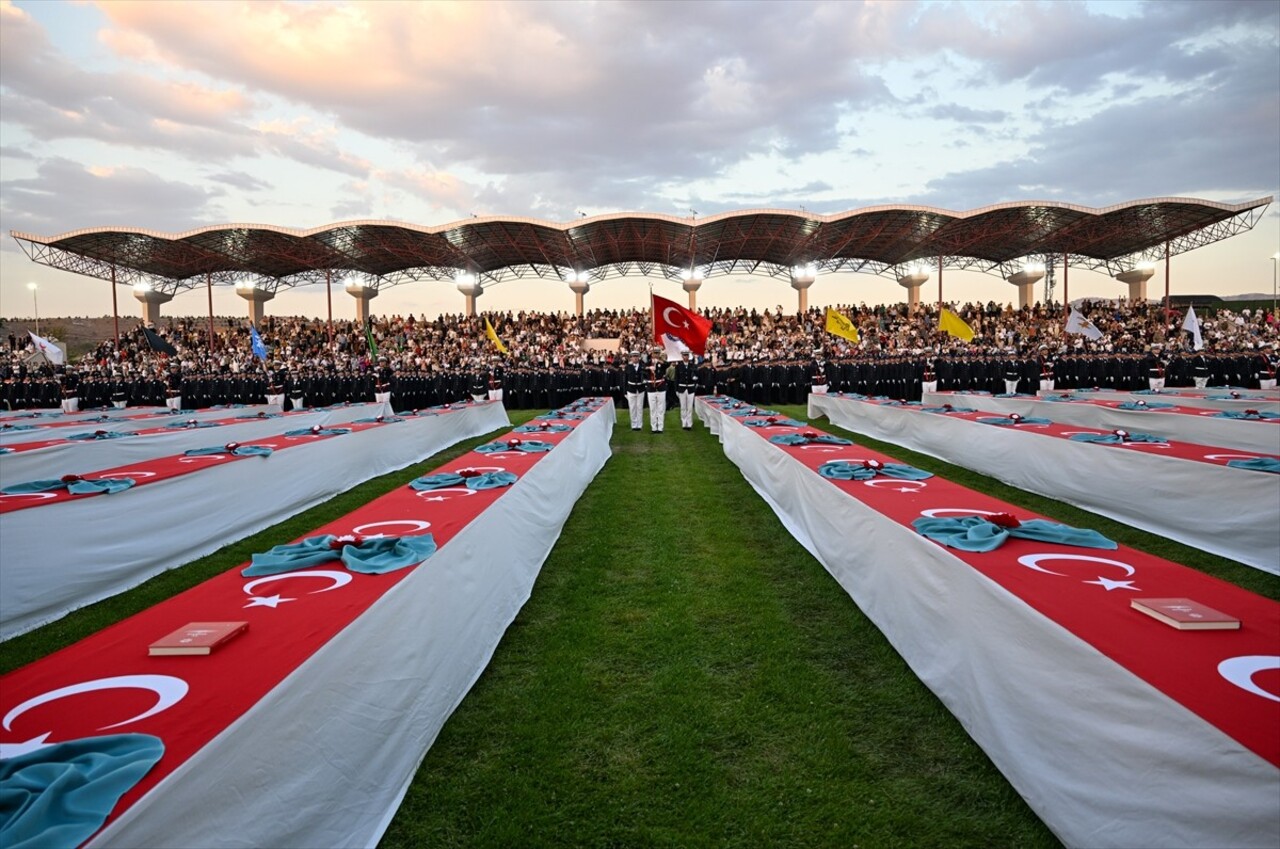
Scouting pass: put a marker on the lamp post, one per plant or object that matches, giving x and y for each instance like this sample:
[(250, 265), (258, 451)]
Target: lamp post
[(35, 301)]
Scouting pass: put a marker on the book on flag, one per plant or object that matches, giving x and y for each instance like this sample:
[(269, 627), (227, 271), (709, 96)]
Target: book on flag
[(197, 638), (1185, 614)]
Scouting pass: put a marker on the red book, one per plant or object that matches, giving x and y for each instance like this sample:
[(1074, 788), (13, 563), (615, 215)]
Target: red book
[(197, 638), (1185, 614)]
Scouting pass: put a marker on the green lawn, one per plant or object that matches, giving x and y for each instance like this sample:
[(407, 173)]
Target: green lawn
[(685, 674)]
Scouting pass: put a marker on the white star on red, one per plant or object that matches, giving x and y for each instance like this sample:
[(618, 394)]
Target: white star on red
[(267, 601), (1109, 585)]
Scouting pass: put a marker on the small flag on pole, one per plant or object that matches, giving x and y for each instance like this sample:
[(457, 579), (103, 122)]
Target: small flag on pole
[(255, 344), (674, 347), (158, 344), (493, 336), (51, 352), (838, 324), (955, 325), (1192, 326), (1081, 326)]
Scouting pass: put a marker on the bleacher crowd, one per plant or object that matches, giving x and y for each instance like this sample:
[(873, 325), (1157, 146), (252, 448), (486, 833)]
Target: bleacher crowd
[(762, 356)]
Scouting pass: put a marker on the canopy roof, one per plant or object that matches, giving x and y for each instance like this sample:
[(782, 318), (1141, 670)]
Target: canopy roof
[(881, 240)]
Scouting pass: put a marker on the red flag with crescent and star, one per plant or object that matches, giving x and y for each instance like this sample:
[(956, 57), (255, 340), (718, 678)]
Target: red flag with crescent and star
[(684, 324)]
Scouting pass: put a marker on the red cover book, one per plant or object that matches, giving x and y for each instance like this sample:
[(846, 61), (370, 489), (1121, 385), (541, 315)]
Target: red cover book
[(197, 638), (1185, 614)]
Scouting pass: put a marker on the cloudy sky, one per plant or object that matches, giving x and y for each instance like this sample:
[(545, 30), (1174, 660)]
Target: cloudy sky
[(172, 115)]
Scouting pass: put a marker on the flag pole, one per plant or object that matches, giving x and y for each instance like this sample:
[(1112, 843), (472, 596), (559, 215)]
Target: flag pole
[(208, 282), (115, 310), (653, 318)]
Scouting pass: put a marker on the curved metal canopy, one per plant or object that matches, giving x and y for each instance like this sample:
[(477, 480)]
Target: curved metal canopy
[(881, 240)]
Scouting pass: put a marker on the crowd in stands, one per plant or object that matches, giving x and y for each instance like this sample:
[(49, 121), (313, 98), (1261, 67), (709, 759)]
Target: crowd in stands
[(765, 356)]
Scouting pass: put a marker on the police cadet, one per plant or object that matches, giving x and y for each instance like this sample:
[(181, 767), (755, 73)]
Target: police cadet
[(634, 384), (173, 391), (70, 390), (818, 381), (686, 384), (495, 378), (479, 382), (655, 387)]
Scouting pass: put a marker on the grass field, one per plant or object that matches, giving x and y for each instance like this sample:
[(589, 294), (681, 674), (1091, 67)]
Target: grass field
[(686, 674)]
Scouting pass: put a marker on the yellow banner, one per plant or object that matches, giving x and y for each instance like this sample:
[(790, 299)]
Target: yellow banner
[(954, 324), (839, 325), (493, 336)]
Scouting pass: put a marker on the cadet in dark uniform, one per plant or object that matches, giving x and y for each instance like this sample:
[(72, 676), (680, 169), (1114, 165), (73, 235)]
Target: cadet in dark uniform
[(655, 387), (686, 384), (634, 383)]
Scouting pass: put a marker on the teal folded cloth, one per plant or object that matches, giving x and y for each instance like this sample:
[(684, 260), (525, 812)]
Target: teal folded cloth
[(945, 410), (6, 450), (555, 428), (238, 451), (778, 423), (20, 427), (1005, 421), (1236, 397), (1058, 398), (191, 425), (799, 439), (1147, 392), (978, 533), (76, 486), (1250, 415), (971, 392), (749, 412), (183, 412), (857, 396), (369, 556), (427, 412), (1257, 464), (326, 431), (1013, 395), (1115, 439), (533, 446), (1148, 405), (491, 480), (530, 445), (59, 795), (439, 480), (260, 416), (100, 434), (385, 420), (845, 471), (103, 485)]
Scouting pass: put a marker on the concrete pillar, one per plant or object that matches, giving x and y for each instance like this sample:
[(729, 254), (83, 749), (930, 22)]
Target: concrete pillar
[(802, 278), (1137, 279), (580, 288), (1026, 280), (912, 283), (363, 294), (691, 285), (470, 288), (257, 299), (151, 301)]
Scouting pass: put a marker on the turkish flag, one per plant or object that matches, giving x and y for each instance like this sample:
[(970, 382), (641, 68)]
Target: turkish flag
[(686, 325)]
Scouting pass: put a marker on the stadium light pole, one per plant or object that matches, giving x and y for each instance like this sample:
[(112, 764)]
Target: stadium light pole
[(35, 302), (1275, 265)]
